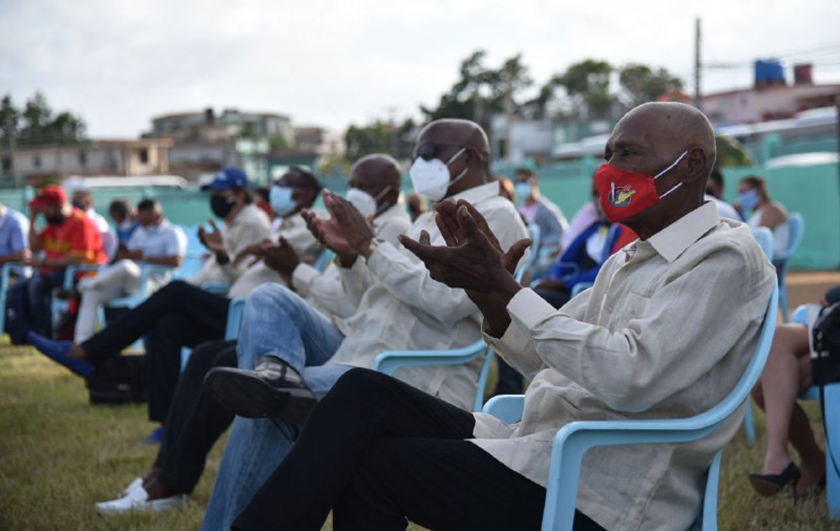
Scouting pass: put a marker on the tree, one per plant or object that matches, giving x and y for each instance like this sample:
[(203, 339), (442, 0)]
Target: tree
[(9, 118), (36, 125), (642, 84), (588, 82), (730, 152), (480, 91)]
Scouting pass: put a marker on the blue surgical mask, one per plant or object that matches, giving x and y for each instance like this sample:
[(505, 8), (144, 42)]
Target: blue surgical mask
[(523, 191), (280, 198), (748, 200)]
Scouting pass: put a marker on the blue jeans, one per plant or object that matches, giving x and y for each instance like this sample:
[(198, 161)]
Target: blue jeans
[(275, 322)]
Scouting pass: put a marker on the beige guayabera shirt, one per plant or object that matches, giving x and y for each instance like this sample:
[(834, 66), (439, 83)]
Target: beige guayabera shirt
[(401, 307), (666, 332), (326, 291)]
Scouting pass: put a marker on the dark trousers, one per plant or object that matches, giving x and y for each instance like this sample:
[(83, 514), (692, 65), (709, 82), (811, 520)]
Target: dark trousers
[(195, 421), (28, 306), (175, 316), (376, 452)]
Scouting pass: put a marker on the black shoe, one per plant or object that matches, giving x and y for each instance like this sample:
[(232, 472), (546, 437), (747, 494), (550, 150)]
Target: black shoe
[(272, 389), (771, 484)]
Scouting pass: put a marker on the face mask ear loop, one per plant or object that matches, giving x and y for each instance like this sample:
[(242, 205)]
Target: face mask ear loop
[(669, 191), (455, 156), (669, 168)]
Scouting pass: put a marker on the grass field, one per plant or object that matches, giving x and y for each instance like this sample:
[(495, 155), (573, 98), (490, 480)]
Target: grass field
[(59, 455)]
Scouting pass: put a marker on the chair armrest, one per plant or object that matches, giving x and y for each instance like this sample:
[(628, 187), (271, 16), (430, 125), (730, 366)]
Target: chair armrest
[(71, 271), (217, 287), (580, 287), (234, 318), (388, 362), (507, 408), (573, 441)]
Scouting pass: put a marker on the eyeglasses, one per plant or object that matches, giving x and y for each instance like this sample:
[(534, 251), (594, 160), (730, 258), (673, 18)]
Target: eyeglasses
[(431, 150)]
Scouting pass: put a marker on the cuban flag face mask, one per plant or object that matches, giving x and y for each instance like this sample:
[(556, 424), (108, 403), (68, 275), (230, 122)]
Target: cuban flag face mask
[(623, 194)]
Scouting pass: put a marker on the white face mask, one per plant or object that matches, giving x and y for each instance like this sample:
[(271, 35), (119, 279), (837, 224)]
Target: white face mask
[(430, 178), (364, 202), (523, 191)]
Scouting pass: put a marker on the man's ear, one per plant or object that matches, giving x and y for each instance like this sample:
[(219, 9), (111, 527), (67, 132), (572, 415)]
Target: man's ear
[(695, 165)]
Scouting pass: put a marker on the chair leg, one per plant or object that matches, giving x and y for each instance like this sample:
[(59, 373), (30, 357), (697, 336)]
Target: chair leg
[(749, 424), (783, 301), (832, 410)]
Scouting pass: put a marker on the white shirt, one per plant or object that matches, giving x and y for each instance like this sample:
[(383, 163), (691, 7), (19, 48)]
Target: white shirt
[(781, 232), (250, 226), (109, 239), (159, 241), (293, 230), (326, 291), (666, 332), (401, 307)]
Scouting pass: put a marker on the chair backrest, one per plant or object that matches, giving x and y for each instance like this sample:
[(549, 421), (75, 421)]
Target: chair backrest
[(324, 259), (796, 231), (234, 319), (764, 237)]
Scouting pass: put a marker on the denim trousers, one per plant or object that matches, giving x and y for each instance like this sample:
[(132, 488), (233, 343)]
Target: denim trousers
[(276, 322)]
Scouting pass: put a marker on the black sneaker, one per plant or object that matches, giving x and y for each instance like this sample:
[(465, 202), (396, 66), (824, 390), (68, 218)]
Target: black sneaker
[(273, 389)]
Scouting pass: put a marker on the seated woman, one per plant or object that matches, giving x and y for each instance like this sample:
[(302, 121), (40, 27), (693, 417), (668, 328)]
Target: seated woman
[(788, 372), (582, 260), (761, 211)]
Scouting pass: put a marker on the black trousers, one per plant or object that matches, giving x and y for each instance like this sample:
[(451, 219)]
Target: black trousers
[(377, 452), (195, 421), (175, 316)]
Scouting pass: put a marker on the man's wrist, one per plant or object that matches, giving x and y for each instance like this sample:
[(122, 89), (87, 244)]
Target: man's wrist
[(368, 249)]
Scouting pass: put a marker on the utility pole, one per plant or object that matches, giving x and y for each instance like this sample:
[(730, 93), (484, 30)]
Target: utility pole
[(697, 64), (508, 114)]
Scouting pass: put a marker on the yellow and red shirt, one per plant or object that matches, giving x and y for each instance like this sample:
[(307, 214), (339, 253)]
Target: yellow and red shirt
[(77, 236)]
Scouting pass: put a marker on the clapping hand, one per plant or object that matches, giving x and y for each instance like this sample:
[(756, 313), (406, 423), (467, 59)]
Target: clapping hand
[(212, 239), (472, 259), (347, 232)]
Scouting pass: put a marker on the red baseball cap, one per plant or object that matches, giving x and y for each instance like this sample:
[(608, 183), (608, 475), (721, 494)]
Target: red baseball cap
[(52, 194)]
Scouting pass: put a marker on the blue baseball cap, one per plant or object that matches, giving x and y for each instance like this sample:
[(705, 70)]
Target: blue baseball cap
[(227, 179)]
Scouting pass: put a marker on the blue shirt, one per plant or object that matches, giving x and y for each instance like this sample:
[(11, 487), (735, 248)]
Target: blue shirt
[(14, 232)]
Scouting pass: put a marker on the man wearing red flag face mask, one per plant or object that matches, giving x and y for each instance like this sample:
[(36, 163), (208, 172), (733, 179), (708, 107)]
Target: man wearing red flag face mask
[(666, 331)]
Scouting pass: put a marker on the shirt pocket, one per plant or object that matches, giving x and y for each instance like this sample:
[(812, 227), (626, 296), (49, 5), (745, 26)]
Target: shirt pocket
[(635, 307)]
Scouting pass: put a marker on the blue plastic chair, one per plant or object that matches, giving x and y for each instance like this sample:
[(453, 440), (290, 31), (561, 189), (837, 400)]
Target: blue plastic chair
[(796, 231), (573, 440), (832, 426), (324, 259), (389, 362), (764, 237), (234, 323)]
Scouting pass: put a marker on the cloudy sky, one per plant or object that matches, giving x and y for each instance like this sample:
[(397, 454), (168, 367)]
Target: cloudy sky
[(331, 63)]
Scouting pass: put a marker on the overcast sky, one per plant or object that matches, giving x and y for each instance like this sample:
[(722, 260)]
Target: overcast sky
[(118, 63)]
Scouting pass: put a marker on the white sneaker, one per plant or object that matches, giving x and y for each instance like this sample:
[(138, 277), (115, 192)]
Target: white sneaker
[(138, 500), (138, 482)]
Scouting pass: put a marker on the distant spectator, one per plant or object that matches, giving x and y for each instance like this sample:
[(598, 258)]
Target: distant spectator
[(584, 217), (539, 210), (156, 242), (70, 238), (83, 200), (123, 215), (714, 192), (416, 205), (14, 228), (790, 370), (754, 199), (263, 201)]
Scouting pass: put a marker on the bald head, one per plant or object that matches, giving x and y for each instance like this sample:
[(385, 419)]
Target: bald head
[(380, 176), (452, 131)]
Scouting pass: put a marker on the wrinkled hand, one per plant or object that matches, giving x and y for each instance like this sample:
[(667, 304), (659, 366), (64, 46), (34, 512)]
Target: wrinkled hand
[(281, 257), (357, 230), (212, 239), (472, 259), (331, 234), (251, 250)]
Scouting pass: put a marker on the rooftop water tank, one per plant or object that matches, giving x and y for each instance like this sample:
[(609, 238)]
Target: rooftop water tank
[(769, 72)]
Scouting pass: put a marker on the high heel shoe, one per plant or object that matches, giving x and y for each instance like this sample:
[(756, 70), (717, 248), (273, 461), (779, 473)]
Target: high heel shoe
[(771, 484)]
